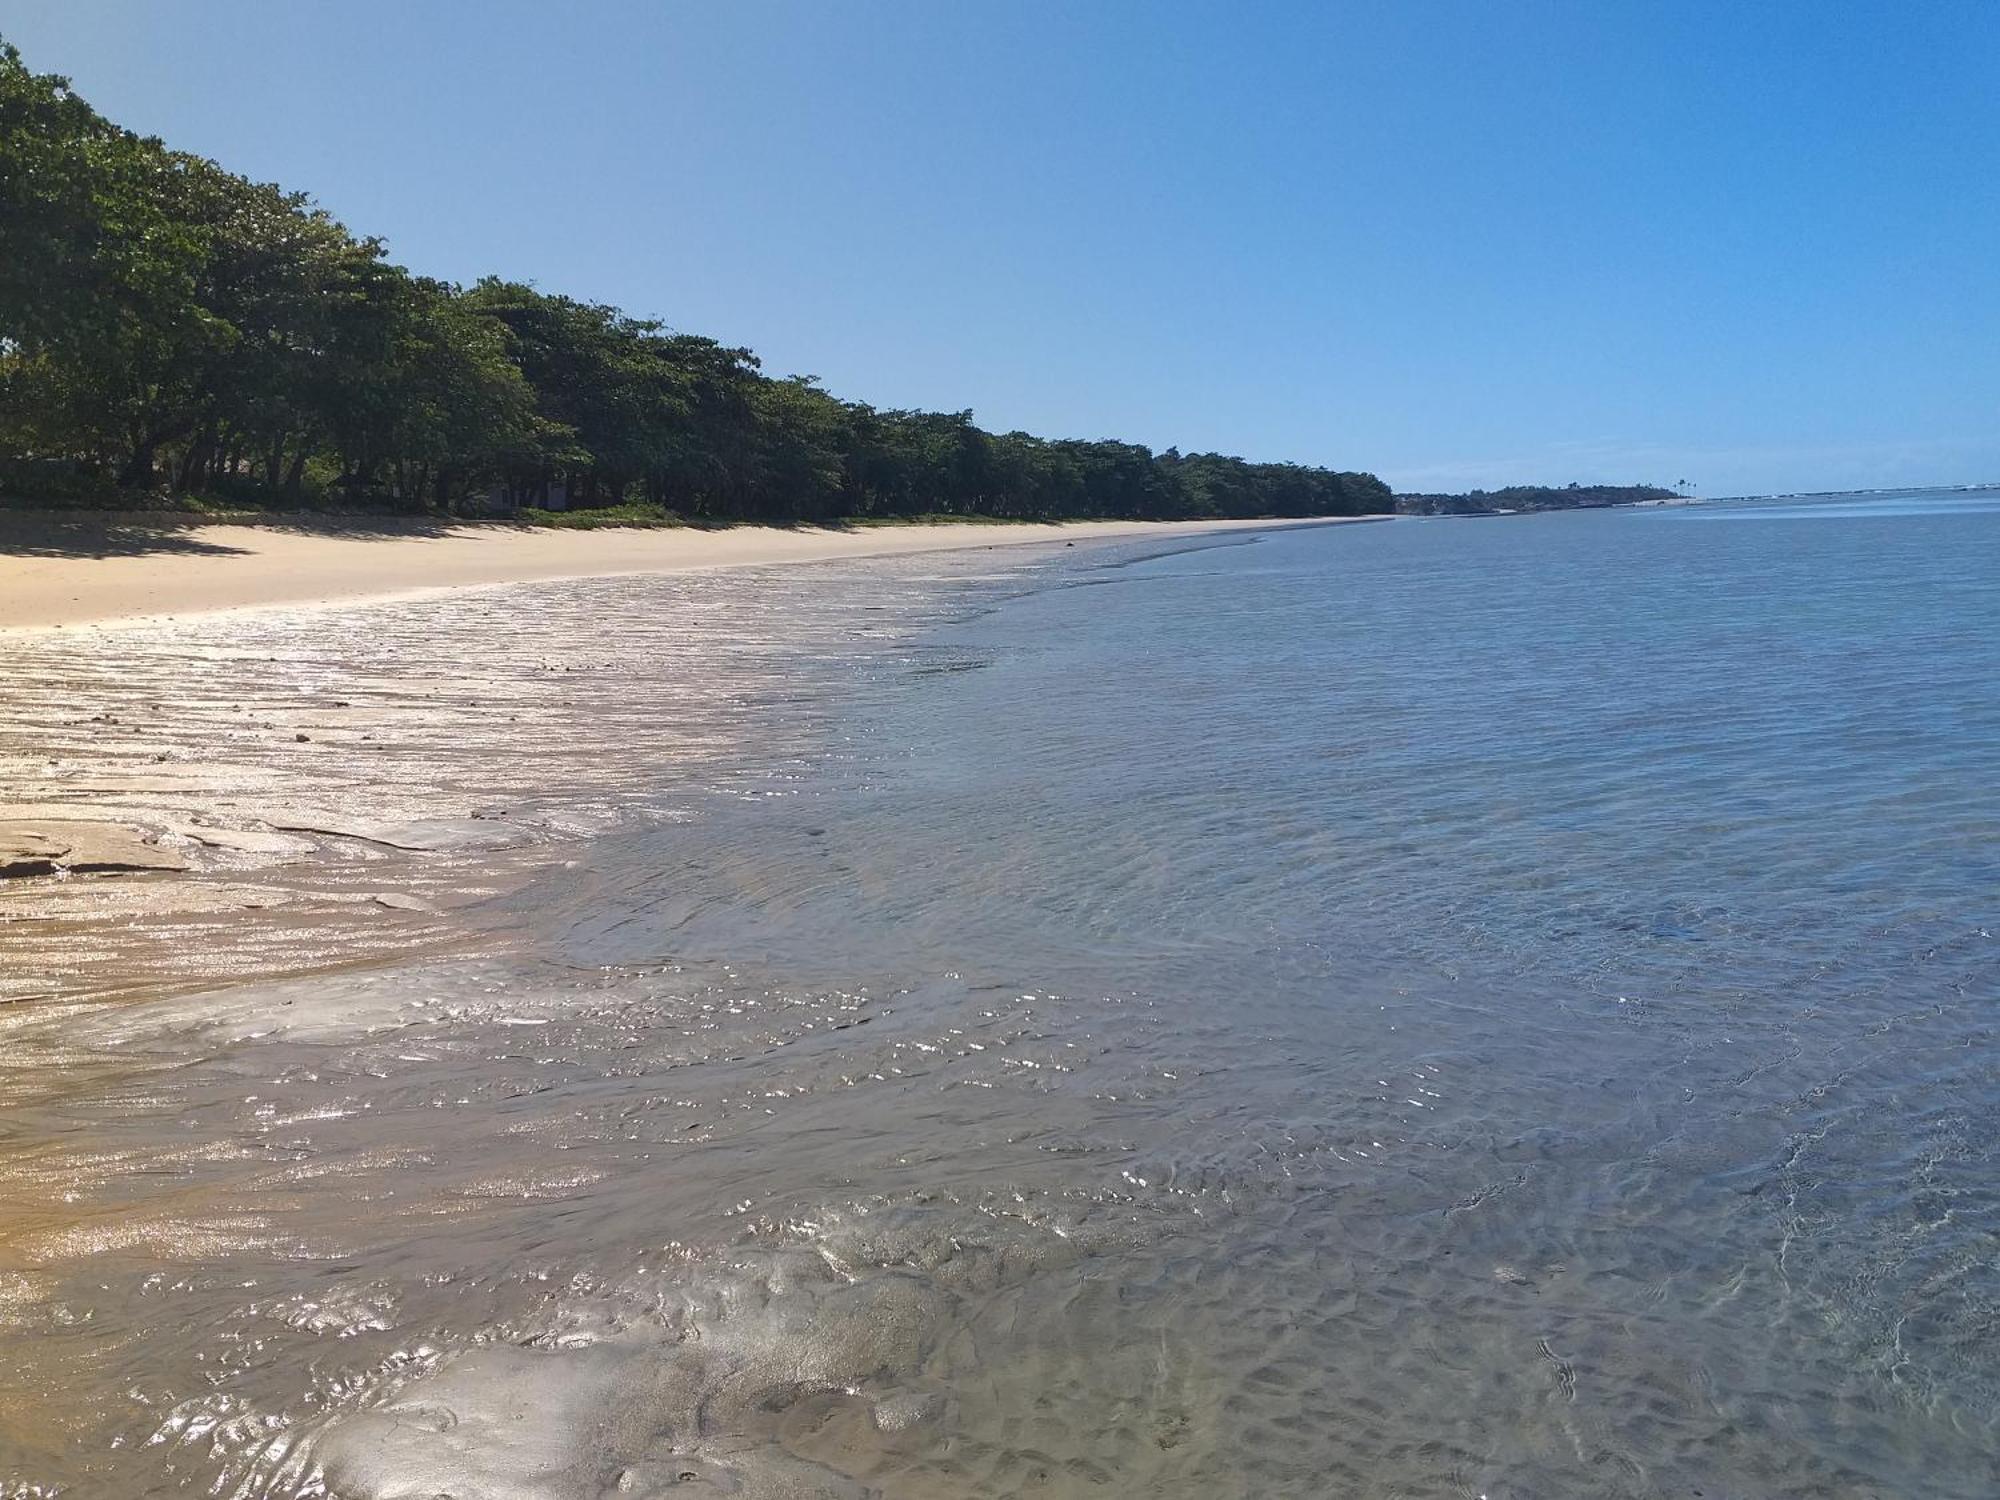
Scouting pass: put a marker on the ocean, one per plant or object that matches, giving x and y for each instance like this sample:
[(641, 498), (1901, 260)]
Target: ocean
[(1493, 1008)]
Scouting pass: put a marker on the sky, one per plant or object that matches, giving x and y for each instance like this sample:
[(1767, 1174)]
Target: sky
[(1749, 245)]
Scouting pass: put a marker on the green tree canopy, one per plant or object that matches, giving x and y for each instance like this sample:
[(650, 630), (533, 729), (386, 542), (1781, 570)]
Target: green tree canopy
[(167, 323)]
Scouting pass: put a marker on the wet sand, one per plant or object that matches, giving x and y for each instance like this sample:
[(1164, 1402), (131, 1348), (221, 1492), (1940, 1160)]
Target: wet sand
[(69, 570)]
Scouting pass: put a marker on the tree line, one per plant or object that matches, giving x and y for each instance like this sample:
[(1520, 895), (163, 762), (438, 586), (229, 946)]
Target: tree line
[(166, 325), (1528, 497)]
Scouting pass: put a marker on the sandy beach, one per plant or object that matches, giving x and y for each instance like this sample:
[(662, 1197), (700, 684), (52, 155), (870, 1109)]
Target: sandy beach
[(68, 570)]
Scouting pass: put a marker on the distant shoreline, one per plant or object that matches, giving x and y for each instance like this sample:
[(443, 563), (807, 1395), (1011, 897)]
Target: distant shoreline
[(70, 569), (1676, 501), (1555, 510), (1893, 489)]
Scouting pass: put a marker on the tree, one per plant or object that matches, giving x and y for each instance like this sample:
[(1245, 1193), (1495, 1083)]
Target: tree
[(98, 271), (165, 321)]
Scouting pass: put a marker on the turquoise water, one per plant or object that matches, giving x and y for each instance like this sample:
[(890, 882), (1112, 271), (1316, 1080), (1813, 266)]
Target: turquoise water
[(1442, 1008)]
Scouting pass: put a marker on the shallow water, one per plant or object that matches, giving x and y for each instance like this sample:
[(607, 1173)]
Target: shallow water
[(1438, 1009)]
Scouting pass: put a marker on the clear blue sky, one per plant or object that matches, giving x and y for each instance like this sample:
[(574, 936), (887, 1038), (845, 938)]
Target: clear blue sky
[(1752, 244)]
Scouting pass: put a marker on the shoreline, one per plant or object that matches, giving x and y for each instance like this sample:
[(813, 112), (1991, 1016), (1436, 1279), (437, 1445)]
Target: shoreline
[(260, 783), (59, 570)]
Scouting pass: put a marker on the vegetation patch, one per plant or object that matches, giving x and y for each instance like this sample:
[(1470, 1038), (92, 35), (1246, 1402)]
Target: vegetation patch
[(637, 513)]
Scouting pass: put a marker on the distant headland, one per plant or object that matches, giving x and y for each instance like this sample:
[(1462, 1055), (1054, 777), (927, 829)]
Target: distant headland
[(1524, 498)]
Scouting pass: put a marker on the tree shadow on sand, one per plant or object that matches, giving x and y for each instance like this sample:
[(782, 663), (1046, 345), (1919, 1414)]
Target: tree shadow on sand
[(44, 536), (27, 532), (129, 534)]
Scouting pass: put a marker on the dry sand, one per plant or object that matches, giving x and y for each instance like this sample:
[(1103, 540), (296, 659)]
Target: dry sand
[(58, 570)]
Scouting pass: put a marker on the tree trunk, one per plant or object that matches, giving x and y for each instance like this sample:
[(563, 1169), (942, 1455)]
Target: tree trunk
[(138, 471)]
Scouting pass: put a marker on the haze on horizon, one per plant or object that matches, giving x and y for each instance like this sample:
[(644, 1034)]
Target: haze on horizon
[(1457, 245)]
